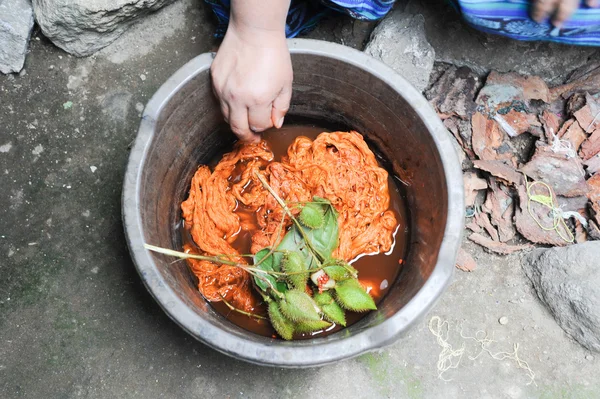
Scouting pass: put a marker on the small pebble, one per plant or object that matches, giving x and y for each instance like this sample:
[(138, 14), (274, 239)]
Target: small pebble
[(589, 357), (143, 77), (503, 320)]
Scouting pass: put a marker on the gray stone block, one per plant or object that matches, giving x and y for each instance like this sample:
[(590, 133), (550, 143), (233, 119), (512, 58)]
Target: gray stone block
[(82, 27), (567, 281), (400, 42), (16, 21)]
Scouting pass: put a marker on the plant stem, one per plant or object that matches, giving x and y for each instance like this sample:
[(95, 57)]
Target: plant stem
[(230, 306), (251, 270)]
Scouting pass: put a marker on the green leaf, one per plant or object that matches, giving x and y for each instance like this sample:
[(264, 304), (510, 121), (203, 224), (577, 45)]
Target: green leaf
[(340, 270), (352, 296), (312, 326), (334, 313), (298, 306), (325, 239), (323, 298), (331, 310), (293, 242), (268, 264), (283, 326), (293, 263), (312, 215)]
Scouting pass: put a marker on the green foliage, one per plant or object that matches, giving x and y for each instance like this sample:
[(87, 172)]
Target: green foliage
[(331, 310), (266, 262), (340, 270), (312, 326), (334, 313), (293, 264), (283, 326), (312, 215), (298, 306), (323, 298), (352, 296), (308, 246), (326, 238)]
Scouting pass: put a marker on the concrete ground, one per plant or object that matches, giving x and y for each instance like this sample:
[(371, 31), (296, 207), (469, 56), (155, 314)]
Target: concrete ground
[(75, 319)]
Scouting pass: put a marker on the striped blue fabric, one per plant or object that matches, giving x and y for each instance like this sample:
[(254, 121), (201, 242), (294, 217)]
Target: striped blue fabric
[(512, 18), (504, 17), (304, 14)]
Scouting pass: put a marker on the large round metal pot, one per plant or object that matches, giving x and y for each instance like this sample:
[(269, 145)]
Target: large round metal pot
[(183, 127)]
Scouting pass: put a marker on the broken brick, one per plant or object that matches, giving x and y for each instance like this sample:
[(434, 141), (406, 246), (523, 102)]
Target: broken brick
[(500, 170), (464, 261), (483, 220), (575, 103), (520, 122), (496, 246), (591, 146), (551, 124), (488, 140), (565, 175), (537, 227), (574, 134), (500, 206), (506, 89), (462, 132), (589, 115), (454, 93), (593, 164), (472, 184), (586, 78), (594, 188)]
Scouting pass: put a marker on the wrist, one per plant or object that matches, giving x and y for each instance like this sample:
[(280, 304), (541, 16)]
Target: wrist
[(259, 22), (257, 36)]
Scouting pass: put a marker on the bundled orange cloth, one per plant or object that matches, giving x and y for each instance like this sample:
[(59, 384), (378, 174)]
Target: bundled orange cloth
[(337, 166)]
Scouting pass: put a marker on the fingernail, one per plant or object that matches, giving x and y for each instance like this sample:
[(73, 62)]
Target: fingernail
[(280, 122)]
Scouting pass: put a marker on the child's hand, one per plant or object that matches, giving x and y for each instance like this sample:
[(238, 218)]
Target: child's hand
[(252, 78), (559, 10)]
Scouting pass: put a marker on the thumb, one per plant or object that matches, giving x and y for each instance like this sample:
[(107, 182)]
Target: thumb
[(281, 105)]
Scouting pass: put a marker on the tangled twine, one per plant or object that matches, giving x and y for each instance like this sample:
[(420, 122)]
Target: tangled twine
[(450, 358), (558, 215), (445, 360)]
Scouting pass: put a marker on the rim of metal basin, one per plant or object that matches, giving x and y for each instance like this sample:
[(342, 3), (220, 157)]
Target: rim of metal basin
[(293, 354)]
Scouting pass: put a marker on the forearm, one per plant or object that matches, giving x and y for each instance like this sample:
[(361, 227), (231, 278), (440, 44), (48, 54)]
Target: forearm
[(255, 19)]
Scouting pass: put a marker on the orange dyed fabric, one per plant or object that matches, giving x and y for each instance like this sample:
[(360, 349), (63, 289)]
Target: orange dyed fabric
[(338, 166)]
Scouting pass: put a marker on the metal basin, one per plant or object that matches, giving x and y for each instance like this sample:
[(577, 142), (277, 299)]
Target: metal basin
[(182, 127)]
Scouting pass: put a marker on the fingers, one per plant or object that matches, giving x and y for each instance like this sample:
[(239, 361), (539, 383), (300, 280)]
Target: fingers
[(225, 110), (542, 9), (566, 8), (259, 117), (281, 104), (238, 120), (592, 3)]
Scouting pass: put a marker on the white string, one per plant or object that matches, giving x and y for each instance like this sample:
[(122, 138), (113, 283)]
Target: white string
[(484, 343), (564, 146), (448, 354), (446, 359), (570, 214)]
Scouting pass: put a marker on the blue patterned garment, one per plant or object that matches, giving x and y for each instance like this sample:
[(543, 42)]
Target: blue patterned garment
[(512, 18), (504, 17), (304, 14)]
